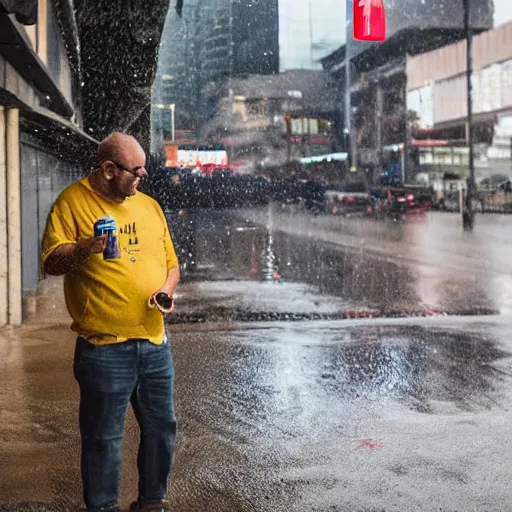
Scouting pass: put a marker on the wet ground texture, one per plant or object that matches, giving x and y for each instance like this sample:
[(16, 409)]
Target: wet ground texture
[(289, 396)]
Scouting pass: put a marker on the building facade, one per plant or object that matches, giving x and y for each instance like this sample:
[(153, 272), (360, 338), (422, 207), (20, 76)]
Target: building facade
[(272, 120), (437, 96), (42, 144), (214, 40), (380, 117), (62, 86), (439, 16)]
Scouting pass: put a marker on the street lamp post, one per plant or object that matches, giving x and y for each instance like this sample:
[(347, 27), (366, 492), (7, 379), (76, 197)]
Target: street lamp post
[(173, 122), (348, 135), (468, 214), (172, 108)]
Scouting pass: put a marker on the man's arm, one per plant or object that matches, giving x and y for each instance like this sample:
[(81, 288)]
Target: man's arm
[(173, 267), (173, 278), (67, 257)]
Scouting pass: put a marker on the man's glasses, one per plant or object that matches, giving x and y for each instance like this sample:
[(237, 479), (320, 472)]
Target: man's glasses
[(134, 172)]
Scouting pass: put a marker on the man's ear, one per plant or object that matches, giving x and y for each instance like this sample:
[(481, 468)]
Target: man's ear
[(108, 168)]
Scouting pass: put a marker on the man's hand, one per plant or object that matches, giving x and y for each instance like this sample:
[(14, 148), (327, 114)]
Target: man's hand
[(173, 277), (95, 244), (161, 305), (67, 257)]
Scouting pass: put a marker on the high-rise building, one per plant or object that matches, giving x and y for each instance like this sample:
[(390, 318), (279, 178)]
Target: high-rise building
[(177, 79), (212, 41), (237, 37), (255, 37)]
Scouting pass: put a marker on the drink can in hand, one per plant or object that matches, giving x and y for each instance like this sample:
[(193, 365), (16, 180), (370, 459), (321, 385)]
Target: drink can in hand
[(107, 226)]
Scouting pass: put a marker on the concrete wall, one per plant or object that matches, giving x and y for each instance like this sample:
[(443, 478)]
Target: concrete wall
[(4, 261), (15, 84), (31, 175), (43, 176)]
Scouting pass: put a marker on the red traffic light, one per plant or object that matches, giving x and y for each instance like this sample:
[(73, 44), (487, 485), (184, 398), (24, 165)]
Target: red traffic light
[(369, 20)]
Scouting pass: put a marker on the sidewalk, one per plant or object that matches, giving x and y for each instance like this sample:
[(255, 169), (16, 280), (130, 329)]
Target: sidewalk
[(39, 440), (48, 306), (38, 435)]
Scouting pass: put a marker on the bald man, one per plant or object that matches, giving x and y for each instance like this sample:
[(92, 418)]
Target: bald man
[(118, 287)]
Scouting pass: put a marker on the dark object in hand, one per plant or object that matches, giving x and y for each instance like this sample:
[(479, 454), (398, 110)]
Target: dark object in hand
[(163, 300)]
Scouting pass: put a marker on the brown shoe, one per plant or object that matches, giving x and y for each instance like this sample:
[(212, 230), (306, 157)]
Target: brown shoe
[(160, 507)]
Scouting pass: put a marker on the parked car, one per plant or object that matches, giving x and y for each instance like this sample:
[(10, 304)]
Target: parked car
[(401, 202), (344, 203)]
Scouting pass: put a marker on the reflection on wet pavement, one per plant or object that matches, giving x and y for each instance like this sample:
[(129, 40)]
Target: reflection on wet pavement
[(293, 417), (391, 268), (292, 404)]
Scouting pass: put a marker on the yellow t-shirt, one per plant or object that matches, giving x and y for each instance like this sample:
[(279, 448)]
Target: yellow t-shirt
[(108, 299)]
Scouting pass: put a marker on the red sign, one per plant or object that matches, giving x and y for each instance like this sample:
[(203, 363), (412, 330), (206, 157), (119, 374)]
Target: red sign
[(430, 143), (369, 20), (319, 140)]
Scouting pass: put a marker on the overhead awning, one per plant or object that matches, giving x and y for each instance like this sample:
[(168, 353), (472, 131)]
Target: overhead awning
[(59, 135), (24, 10), (15, 48)]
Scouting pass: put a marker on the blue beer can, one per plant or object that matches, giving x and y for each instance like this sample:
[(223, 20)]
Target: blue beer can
[(107, 226)]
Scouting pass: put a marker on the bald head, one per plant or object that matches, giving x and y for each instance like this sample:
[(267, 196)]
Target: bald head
[(118, 147), (121, 166)]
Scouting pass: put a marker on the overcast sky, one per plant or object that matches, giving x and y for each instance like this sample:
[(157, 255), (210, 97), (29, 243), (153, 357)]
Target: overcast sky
[(326, 30), (295, 30), (502, 11)]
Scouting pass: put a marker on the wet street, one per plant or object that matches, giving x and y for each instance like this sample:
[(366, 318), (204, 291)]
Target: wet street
[(376, 376)]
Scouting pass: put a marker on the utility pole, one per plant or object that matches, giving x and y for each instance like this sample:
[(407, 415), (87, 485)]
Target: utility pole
[(231, 53), (350, 140), (378, 122), (173, 122), (511, 149), (468, 216), (311, 34)]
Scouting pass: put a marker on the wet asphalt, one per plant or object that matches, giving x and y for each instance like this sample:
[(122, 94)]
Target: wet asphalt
[(405, 267), (285, 400)]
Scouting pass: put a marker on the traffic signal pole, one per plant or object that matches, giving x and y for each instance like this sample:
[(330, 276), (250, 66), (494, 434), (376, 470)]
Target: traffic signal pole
[(468, 216)]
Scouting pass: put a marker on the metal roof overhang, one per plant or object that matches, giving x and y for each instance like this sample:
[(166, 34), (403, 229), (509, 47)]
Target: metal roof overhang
[(409, 41), (24, 10), (59, 135), (16, 49)]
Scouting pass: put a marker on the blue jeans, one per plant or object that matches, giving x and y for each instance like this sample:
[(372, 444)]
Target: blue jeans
[(110, 377)]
